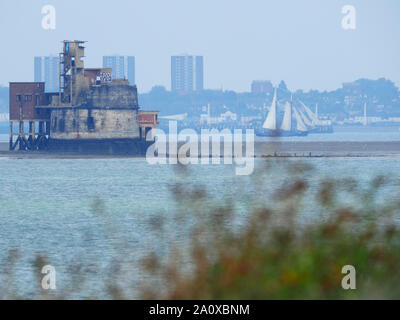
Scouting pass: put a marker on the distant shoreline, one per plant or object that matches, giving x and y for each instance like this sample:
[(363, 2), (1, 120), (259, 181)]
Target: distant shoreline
[(262, 149)]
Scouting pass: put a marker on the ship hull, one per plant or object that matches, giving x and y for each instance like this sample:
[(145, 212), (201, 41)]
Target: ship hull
[(279, 133)]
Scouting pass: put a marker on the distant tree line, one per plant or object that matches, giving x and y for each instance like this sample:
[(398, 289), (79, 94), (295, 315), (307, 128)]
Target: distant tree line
[(381, 96)]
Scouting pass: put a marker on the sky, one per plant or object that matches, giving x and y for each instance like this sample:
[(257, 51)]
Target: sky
[(299, 41)]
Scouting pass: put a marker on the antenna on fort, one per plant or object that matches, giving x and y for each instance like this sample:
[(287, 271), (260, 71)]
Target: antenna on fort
[(71, 73)]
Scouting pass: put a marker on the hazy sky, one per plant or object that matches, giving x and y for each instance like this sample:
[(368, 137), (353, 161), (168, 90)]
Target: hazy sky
[(300, 41)]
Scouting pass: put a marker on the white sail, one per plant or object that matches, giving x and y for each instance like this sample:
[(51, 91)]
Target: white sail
[(270, 122), (287, 118), (300, 126), (305, 119), (312, 116)]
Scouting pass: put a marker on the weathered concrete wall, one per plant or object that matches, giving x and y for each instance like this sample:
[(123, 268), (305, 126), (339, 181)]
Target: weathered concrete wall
[(94, 123), (113, 95), (110, 112)]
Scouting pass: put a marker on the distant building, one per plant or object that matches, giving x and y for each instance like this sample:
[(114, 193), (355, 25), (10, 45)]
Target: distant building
[(186, 73), (262, 86), (130, 73), (46, 69), (123, 67), (206, 118), (38, 69)]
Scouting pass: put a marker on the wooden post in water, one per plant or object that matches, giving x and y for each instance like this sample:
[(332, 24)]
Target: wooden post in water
[(21, 135), (11, 136), (30, 135)]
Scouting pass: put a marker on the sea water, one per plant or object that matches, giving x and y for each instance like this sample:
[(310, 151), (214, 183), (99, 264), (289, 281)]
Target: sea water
[(87, 214), (91, 212)]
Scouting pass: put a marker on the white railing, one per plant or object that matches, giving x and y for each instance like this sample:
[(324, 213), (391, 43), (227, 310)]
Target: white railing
[(4, 117)]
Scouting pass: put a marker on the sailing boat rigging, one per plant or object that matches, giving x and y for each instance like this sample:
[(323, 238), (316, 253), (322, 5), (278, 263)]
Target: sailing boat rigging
[(317, 125), (292, 124)]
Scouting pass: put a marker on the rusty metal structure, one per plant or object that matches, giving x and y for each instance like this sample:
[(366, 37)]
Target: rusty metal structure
[(24, 98), (90, 113)]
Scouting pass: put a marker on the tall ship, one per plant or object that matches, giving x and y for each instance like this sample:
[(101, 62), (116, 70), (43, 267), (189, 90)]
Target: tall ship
[(297, 120), (291, 125)]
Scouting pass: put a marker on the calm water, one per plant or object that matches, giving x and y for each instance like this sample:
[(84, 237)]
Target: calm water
[(46, 206), (348, 134)]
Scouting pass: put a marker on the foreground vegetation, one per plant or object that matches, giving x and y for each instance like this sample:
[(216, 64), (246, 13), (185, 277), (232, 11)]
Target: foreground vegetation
[(276, 255), (289, 242)]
